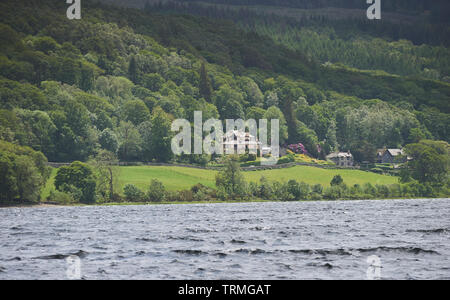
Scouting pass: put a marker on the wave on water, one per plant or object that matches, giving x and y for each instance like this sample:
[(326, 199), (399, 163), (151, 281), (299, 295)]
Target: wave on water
[(325, 265), (190, 252), (185, 238), (80, 254), (437, 230), (233, 241), (199, 230), (411, 250), (146, 240), (322, 252)]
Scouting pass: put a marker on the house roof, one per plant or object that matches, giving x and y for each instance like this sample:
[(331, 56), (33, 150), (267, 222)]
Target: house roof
[(243, 138), (395, 152), (238, 133), (339, 154)]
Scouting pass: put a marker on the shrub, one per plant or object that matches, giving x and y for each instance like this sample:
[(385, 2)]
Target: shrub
[(337, 180), (73, 191), (265, 189), (243, 157), (332, 193), (253, 189), (286, 159), (280, 192), (230, 181), (61, 197), (198, 187), (202, 193), (89, 195), (23, 173), (382, 191), (172, 196), (116, 198), (251, 163), (133, 193), (196, 159), (395, 190), (304, 190), (299, 191), (318, 189), (377, 170), (293, 188), (369, 189), (202, 160), (251, 157), (185, 196), (79, 175), (356, 192), (156, 192), (315, 196)]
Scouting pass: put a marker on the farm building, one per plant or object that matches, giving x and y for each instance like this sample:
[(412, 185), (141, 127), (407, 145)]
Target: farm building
[(341, 159), (391, 156), (239, 142)]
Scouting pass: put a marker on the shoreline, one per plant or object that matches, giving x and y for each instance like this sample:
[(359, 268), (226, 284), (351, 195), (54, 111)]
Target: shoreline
[(54, 205)]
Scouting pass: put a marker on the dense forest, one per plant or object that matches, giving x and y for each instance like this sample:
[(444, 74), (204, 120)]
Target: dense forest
[(409, 6), (82, 80), (415, 47), (115, 79), (394, 5)]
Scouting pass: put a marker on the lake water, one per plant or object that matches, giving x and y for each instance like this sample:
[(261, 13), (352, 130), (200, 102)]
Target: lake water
[(403, 239)]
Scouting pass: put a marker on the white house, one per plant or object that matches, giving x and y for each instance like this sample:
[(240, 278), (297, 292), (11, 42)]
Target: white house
[(239, 142), (342, 159)]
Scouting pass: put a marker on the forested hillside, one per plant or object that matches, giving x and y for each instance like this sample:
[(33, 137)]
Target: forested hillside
[(116, 78), (409, 40)]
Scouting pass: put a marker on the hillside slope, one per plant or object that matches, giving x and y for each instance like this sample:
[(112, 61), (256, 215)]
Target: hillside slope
[(72, 88)]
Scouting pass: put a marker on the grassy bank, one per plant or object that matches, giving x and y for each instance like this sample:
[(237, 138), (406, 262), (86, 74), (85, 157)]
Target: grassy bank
[(182, 178), (48, 205)]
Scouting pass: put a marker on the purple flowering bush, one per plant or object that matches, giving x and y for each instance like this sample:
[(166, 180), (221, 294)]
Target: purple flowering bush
[(298, 148)]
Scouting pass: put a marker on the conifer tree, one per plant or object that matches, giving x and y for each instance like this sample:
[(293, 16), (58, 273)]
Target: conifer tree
[(132, 70), (205, 84)]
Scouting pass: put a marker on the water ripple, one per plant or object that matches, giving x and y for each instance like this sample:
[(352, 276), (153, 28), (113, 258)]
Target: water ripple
[(295, 240)]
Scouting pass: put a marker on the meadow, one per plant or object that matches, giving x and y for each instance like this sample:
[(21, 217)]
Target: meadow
[(182, 178)]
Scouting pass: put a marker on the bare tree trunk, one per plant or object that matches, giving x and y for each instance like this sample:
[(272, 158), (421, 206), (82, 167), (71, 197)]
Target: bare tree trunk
[(111, 188)]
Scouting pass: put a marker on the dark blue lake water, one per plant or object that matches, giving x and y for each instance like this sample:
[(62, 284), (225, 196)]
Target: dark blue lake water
[(407, 239)]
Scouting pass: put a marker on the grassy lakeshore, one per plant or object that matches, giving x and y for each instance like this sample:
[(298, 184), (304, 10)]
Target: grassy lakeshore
[(181, 178), (45, 204), (48, 205)]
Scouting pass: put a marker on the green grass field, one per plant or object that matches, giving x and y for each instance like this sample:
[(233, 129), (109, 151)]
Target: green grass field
[(174, 178), (180, 178), (313, 175), (49, 186)]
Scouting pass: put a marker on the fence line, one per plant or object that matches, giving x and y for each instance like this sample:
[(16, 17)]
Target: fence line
[(250, 168)]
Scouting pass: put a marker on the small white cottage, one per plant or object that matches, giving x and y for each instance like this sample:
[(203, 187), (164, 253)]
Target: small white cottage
[(239, 142)]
